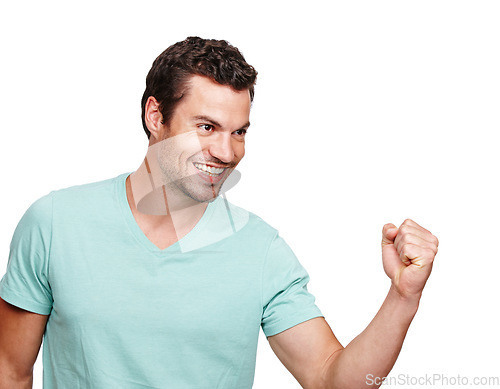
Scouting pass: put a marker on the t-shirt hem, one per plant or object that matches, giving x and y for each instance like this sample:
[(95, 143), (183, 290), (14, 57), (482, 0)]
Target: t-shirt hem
[(282, 325), (21, 302)]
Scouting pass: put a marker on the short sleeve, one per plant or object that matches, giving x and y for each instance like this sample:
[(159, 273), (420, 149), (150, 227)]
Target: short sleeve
[(25, 284), (287, 301)]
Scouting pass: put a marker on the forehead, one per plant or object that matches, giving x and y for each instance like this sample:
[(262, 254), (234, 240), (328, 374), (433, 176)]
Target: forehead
[(207, 97)]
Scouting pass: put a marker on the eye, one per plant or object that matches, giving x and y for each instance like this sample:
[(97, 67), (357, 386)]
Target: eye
[(241, 132), (206, 127)]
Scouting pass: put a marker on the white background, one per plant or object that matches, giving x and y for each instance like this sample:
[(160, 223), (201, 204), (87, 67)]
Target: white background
[(365, 112)]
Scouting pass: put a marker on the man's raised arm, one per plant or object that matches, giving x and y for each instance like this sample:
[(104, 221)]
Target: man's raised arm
[(314, 356)]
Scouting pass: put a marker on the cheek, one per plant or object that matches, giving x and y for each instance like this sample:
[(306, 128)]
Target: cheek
[(191, 148), (239, 151)]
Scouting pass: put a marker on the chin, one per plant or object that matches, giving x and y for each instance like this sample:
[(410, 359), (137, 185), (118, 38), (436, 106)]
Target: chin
[(203, 196), (200, 192)]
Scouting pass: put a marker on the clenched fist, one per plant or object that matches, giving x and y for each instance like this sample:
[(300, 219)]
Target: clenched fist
[(407, 254)]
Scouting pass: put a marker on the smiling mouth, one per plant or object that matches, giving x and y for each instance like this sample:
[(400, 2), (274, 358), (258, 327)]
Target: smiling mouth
[(210, 171)]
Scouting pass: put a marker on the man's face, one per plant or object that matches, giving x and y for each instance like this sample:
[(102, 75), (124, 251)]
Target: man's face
[(205, 139)]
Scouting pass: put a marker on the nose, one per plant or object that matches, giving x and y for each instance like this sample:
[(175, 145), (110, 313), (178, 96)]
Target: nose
[(222, 148)]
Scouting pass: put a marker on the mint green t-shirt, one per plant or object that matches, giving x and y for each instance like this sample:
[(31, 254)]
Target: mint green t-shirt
[(125, 314)]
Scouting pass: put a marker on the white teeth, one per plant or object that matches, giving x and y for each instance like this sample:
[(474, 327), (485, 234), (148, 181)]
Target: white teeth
[(215, 170), (211, 170)]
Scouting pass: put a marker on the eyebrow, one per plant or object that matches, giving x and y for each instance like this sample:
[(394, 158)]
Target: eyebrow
[(215, 122)]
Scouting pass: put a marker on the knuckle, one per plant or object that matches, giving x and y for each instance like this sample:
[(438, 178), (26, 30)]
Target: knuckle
[(404, 239), (406, 247), (430, 255), (404, 229), (435, 250), (435, 240)]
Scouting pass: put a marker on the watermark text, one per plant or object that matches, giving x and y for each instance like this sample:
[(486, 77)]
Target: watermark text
[(431, 380)]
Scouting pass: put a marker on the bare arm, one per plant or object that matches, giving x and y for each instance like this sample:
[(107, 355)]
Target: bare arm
[(317, 360), (372, 354), (21, 335)]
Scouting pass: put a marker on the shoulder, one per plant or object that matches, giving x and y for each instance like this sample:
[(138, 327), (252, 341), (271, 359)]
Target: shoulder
[(93, 189), (67, 203), (258, 232), (41, 209), (89, 198)]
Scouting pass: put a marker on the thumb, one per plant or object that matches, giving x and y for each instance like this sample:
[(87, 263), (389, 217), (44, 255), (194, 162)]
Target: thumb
[(389, 233)]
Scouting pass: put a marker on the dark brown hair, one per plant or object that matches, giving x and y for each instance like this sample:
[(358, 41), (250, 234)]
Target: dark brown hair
[(167, 81)]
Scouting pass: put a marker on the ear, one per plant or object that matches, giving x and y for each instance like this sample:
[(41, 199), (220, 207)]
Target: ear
[(153, 119)]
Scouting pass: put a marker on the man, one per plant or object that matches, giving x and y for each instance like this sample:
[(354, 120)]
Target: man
[(152, 279)]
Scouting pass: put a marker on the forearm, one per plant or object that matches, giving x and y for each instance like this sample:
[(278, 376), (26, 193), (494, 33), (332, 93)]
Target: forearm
[(373, 352)]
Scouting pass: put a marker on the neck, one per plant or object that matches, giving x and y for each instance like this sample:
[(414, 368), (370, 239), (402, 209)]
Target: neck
[(164, 214)]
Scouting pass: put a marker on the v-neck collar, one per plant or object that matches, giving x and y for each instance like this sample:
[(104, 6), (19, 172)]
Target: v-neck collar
[(142, 239)]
